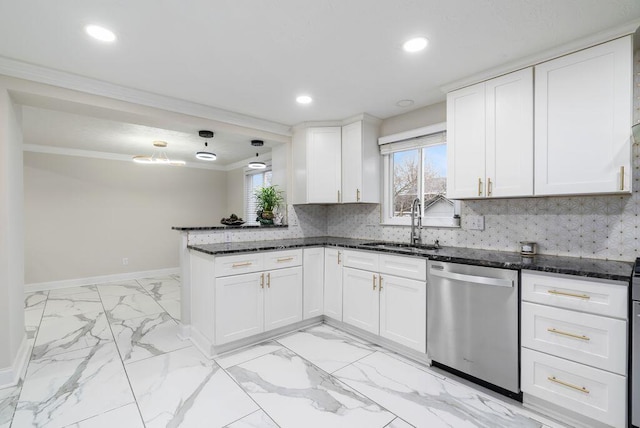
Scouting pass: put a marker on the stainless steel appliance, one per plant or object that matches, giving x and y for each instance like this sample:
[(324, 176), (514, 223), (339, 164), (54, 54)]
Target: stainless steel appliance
[(635, 352), (472, 322)]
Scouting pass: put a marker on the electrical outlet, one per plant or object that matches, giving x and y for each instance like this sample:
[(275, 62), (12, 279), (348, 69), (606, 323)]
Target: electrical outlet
[(475, 222), (125, 261)]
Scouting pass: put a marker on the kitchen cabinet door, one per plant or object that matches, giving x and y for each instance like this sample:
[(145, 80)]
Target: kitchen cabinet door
[(324, 164), (361, 302), (352, 162), (466, 142), (509, 135), (361, 161), (403, 311), (283, 297), (583, 107), (239, 307), (333, 283), (313, 282)]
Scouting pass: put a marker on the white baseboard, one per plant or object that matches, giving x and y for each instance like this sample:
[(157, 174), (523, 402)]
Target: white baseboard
[(66, 283), (10, 376)]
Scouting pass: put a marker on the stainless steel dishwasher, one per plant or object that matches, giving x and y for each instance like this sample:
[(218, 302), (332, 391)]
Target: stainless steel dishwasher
[(473, 322)]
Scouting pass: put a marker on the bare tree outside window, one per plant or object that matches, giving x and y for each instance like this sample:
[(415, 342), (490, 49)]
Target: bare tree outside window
[(405, 181), (421, 173)]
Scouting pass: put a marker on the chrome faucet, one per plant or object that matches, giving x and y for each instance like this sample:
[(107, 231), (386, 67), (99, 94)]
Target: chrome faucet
[(416, 209)]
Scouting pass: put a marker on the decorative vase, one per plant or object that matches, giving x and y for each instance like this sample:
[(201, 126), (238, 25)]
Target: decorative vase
[(268, 215)]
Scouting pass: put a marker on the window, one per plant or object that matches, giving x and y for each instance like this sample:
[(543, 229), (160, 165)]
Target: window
[(253, 180), (417, 168)]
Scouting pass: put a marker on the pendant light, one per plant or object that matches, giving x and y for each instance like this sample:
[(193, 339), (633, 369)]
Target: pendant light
[(256, 164), (159, 157), (206, 155)]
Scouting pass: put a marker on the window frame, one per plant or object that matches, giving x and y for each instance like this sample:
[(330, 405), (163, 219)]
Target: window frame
[(248, 174), (387, 186)]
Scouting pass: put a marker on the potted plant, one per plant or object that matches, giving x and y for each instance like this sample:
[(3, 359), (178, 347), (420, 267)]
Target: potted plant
[(267, 199)]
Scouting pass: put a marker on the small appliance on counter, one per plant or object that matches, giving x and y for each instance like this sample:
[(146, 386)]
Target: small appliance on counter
[(528, 248)]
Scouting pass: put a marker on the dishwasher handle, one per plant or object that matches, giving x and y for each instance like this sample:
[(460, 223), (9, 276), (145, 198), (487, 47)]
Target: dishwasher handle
[(470, 278)]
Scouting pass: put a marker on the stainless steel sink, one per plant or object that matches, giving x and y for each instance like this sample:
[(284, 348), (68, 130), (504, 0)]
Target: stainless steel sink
[(397, 246)]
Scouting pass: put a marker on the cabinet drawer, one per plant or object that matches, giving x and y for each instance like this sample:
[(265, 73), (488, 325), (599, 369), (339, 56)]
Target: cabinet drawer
[(600, 297), (282, 259), (585, 338), (591, 392), (407, 267), (361, 260), (241, 263)]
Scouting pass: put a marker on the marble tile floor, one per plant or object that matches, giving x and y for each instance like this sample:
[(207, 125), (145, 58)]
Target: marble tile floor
[(108, 356)]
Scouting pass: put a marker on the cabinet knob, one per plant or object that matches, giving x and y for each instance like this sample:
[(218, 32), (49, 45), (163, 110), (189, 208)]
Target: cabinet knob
[(479, 186), (357, 195), (261, 280), (489, 187), (622, 178), (339, 257), (338, 196), (269, 280), (380, 284), (374, 282)]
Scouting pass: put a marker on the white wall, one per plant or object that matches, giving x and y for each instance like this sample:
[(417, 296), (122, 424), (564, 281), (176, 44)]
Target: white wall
[(12, 335), (235, 193), (418, 118), (83, 216)]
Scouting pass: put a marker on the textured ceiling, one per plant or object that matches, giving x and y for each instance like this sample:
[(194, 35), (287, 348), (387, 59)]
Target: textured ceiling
[(254, 56)]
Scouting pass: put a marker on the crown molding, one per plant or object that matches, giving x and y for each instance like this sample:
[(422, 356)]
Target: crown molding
[(64, 151), (22, 70), (565, 49)]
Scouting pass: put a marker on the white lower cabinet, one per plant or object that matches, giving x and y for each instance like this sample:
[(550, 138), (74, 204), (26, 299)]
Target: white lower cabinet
[(391, 306), (282, 298), (590, 392), (252, 303), (585, 338), (403, 311), (574, 339), (333, 258), (312, 282), (361, 303), (239, 305)]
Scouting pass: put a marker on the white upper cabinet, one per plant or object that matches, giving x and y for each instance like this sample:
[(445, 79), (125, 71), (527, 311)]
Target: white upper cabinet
[(323, 164), (334, 164), (361, 162), (509, 133), (466, 142), (583, 107), (490, 138)]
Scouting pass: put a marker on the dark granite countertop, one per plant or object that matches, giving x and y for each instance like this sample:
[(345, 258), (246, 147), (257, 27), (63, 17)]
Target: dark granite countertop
[(222, 227), (594, 268)]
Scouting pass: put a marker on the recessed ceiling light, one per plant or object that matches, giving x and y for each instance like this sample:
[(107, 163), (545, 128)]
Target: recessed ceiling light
[(304, 99), (100, 33), (405, 103), (416, 44)]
